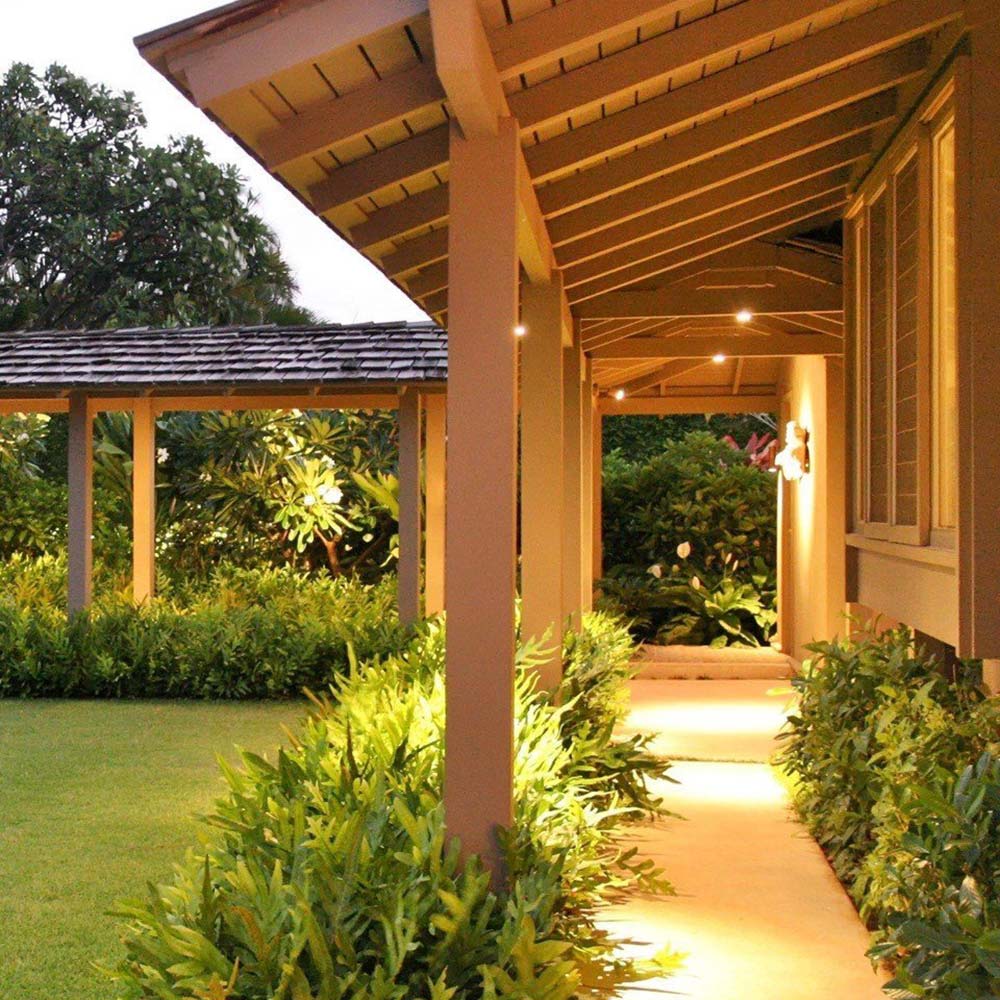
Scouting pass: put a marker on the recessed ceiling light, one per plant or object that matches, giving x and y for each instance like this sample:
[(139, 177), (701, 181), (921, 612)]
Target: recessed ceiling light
[(619, 394), (744, 316), (719, 359), (520, 330)]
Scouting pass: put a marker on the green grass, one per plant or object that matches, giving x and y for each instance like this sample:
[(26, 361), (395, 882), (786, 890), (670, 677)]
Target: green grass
[(96, 799)]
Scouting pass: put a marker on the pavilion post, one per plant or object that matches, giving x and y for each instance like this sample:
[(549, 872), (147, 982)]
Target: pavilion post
[(434, 506), (80, 548), (143, 500), (572, 549), (480, 558), (542, 474), (408, 579), (588, 489)]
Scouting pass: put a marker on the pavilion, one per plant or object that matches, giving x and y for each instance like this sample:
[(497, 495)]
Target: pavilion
[(647, 206)]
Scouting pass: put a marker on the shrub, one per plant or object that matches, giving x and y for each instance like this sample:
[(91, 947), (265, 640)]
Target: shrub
[(899, 781), (708, 499), (330, 873), (248, 634)]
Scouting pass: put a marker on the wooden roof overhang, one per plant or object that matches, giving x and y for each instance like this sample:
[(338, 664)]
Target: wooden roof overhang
[(674, 151)]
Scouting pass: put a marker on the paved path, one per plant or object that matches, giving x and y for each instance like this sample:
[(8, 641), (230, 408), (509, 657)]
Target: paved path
[(759, 913)]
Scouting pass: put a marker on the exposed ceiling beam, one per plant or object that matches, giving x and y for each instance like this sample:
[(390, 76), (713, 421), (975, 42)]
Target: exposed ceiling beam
[(706, 240), (352, 115), (833, 48), (694, 43), (241, 58), (671, 405), (555, 32), (664, 373), (735, 130), (611, 214), (393, 165), (824, 53), (425, 208), (680, 197), (748, 199), (732, 345)]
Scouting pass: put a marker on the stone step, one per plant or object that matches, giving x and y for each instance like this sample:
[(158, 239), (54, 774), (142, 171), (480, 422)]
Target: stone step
[(705, 663)]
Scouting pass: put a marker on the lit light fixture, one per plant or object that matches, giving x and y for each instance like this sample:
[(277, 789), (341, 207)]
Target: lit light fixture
[(793, 459), (744, 316), (619, 394), (719, 359), (520, 330)]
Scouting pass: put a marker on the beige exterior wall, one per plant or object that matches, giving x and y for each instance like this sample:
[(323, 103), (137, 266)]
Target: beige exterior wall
[(813, 591)]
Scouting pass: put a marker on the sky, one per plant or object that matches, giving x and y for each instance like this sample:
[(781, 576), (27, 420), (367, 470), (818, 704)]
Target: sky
[(93, 38)]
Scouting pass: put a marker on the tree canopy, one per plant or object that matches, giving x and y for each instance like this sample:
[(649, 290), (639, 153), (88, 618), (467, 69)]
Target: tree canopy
[(97, 228)]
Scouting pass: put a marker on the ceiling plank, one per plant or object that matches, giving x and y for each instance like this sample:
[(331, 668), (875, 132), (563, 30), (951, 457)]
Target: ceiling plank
[(245, 57), (712, 213), (555, 32), (395, 164), (425, 208), (664, 373), (735, 130), (705, 240), (831, 141), (692, 44), (733, 345), (357, 112), (833, 48)]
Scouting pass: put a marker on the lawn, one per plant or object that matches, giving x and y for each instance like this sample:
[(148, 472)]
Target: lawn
[(96, 799)]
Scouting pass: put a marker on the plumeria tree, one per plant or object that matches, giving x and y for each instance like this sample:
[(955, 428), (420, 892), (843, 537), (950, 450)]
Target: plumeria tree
[(98, 228)]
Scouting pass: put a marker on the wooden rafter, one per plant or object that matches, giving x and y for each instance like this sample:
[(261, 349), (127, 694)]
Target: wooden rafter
[(732, 345), (663, 374)]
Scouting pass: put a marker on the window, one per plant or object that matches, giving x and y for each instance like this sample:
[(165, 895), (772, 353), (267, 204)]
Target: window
[(944, 399), (902, 236)]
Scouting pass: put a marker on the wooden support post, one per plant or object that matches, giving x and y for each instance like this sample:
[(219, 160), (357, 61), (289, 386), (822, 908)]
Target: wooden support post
[(590, 505), (81, 504), (143, 500), (977, 174), (542, 474), (573, 527), (434, 489), (597, 487), (408, 580), (480, 558)]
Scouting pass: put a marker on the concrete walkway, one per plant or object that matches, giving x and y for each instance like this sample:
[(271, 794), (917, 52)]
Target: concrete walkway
[(759, 913)]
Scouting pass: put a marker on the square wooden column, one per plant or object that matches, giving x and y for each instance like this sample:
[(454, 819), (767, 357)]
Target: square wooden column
[(573, 472), (80, 546), (589, 471), (143, 500), (480, 558), (408, 574), (977, 174), (434, 506), (542, 473), (594, 570)]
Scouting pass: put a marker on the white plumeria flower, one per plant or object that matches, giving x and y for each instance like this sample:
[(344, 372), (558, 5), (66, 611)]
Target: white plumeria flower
[(162, 454), (171, 183), (655, 570), (684, 550), (308, 500), (333, 494)]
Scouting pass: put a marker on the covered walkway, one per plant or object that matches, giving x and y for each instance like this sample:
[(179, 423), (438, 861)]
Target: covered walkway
[(759, 913)]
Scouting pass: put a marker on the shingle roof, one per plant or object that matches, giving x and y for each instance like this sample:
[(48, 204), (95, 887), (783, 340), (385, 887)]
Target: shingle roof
[(192, 357)]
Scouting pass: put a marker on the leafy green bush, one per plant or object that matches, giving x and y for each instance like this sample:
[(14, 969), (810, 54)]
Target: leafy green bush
[(330, 872), (247, 634), (898, 779), (690, 544)]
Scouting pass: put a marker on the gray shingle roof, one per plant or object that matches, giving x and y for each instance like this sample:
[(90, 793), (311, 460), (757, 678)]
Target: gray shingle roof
[(192, 357)]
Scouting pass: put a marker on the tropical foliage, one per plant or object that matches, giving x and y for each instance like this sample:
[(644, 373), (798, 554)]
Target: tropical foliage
[(329, 872), (242, 634), (898, 777), (690, 543)]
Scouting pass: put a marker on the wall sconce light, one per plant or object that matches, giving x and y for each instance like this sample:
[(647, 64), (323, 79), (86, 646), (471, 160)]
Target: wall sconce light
[(520, 330), (793, 459)]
